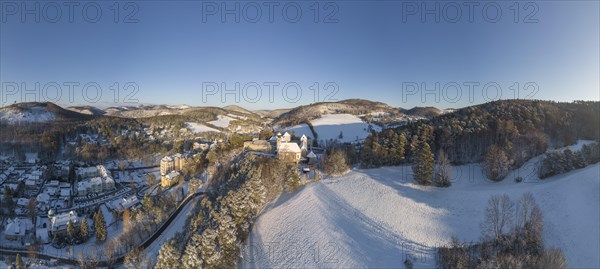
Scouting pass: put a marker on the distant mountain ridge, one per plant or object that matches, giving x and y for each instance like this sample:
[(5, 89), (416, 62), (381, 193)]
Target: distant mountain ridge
[(46, 111), (425, 112), (351, 106)]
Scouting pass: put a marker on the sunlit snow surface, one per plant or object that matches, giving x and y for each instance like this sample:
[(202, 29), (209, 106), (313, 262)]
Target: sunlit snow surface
[(376, 217), (330, 126)]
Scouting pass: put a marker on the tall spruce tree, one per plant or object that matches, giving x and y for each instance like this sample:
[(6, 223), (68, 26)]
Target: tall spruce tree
[(84, 229), (100, 225), (19, 262), (71, 230), (423, 164)]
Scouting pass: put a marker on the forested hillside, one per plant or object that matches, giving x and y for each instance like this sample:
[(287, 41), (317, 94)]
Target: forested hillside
[(520, 128)]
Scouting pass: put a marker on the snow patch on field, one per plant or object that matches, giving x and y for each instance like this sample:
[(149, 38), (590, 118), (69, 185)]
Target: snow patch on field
[(329, 127), (579, 144), (221, 121), (376, 217), (237, 117), (200, 128)]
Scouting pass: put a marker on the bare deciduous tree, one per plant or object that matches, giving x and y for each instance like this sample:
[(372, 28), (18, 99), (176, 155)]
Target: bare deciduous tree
[(529, 223), (136, 259), (89, 260), (552, 258), (498, 216), (110, 252), (495, 163), (442, 174)]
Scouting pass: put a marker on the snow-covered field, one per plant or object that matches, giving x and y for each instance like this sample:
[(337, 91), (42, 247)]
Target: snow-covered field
[(376, 217), (221, 121), (200, 128), (330, 126)]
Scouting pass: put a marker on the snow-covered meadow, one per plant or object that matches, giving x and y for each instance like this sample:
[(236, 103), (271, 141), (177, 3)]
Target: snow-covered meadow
[(376, 217), (329, 126), (200, 128)]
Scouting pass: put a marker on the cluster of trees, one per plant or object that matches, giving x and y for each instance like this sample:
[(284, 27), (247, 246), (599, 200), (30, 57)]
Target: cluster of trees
[(139, 224), (76, 233), (338, 159), (391, 148), (495, 163), (7, 204), (521, 129), (557, 162), (223, 221), (385, 148), (512, 238)]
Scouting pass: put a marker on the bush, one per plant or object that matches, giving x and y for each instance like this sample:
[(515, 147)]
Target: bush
[(453, 256), (521, 247), (408, 263), (334, 162)]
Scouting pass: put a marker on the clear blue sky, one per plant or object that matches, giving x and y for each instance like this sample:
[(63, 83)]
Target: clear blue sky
[(374, 51)]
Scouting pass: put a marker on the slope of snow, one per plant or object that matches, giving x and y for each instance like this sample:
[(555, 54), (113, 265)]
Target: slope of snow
[(221, 121), (34, 114), (237, 117), (199, 127), (378, 217), (578, 145), (330, 126)]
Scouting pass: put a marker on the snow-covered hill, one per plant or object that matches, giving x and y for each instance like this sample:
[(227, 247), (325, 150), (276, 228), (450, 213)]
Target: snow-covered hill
[(88, 110), (330, 126), (32, 115), (313, 111), (376, 217), (36, 112)]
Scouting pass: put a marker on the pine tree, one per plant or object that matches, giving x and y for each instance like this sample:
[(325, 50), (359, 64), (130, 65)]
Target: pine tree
[(168, 257), (192, 256), (19, 262), (570, 161), (423, 164), (334, 162), (400, 150), (84, 228), (100, 225), (366, 153), (71, 230), (227, 238), (208, 248)]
